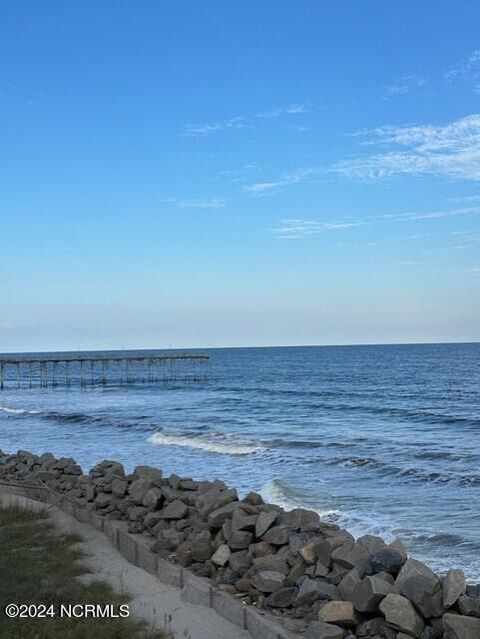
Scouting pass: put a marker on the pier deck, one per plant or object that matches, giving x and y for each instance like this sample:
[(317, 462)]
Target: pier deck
[(101, 369)]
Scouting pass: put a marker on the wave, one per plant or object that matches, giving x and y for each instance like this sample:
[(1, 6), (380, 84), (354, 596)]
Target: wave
[(412, 473), (17, 411), (210, 446), (278, 492)]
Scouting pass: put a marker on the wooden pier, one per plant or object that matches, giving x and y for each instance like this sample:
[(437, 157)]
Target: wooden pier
[(97, 369)]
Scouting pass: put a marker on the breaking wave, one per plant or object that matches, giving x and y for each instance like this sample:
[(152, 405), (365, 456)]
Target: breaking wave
[(208, 445)]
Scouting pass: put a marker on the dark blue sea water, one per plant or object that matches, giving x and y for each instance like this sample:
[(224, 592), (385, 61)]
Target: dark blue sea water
[(380, 439)]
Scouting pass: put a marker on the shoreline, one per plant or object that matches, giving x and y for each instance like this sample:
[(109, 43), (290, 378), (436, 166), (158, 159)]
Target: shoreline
[(311, 576)]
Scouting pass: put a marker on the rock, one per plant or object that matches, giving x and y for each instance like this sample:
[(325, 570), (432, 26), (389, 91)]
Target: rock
[(399, 547), (300, 519), (283, 598), (469, 606), (268, 581), (102, 500), (371, 544), (119, 487), (375, 627), (239, 562), (340, 613), (321, 570), (386, 560), (147, 472), (254, 499), (349, 582), (322, 630), (369, 592), (308, 553), (310, 590), (422, 586), (265, 520), (214, 499), (239, 539), (219, 516), (325, 548), (454, 586), (138, 489), (200, 551), (221, 556), (277, 536), (271, 562), (241, 521), (460, 627), (349, 555), (400, 615), (175, 510), (154, 498)]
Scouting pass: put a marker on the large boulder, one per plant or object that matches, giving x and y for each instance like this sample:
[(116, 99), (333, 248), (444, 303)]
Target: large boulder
[(340, 613), (454, 586), (311, 590), (422, 586), (369, 592), (460, 627), (265, 520), (283, 598), (268, 581), (469, 606), (175, 510), (400, 615)]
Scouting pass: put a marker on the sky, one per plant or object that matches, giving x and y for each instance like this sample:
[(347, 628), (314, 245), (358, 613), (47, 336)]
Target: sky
[(179, 174)]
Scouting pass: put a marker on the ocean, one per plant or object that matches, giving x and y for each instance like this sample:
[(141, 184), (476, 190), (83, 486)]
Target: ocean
[(378, 439)]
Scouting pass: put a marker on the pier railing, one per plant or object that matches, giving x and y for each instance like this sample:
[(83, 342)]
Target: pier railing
[(99, 369)]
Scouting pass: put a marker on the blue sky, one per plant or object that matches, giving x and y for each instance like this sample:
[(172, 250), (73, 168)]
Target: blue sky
[(181, 174)]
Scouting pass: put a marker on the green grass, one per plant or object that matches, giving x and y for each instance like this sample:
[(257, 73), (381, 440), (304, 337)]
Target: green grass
[(38, 565)]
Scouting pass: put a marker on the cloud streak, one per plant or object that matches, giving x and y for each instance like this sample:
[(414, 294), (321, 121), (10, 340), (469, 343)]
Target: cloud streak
[(451, 150), (198, 203), (293, 228), (292, 109), (203, 130), (406, 84), (295, 177)]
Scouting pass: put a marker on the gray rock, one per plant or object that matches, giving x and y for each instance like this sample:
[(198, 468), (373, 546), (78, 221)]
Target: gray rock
[(271, 562), (283, 598), (200, 551), (325, 548), (308, 554), (376, 627), (460, 627), (265, 520), (221, 556), (152, 519), (219, 516), (349, 555), (239, 539), (371, 544), (277, 536), (386, 560), (119, 487), (300, 519), (349, 582), (214, 499), (369, 592), (240, 562), (253, 498), (400, 615), (268, 581), (102, 500), (147, 472), (175, 510), (321, 570), (138, 489), (243, 522), (310, 590), (422, 586), (322, 630), (154, 498), (340, 613), (454, 586), (469, 606)]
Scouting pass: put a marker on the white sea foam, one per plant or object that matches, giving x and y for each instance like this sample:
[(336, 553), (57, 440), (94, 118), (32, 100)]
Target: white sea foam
[(208, 445), (17, 411), (275, 492)]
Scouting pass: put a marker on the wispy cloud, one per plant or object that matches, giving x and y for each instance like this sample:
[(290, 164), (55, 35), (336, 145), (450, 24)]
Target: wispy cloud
[(406, 84), (242, 174), (299, 175), (292, 109), (198, 203), (293, 228), (203, 130), (451, 150), (465, 69)]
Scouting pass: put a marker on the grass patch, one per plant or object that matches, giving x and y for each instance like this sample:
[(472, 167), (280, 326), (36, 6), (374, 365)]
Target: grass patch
[(39, 565)]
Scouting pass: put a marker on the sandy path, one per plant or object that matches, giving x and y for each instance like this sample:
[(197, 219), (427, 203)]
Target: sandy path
[(151, 600)]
